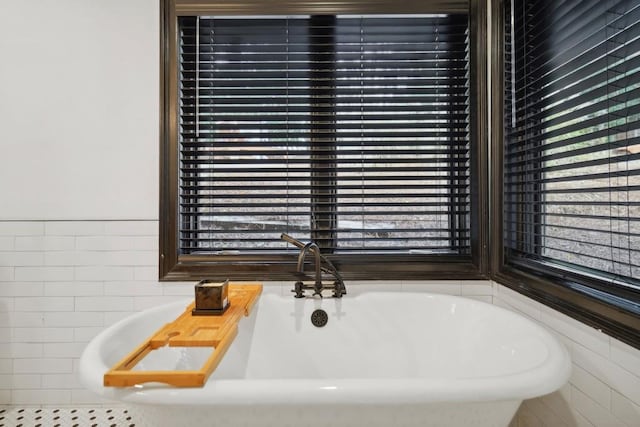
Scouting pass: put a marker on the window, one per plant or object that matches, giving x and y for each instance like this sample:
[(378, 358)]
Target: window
[(571, 157), (354, 129)]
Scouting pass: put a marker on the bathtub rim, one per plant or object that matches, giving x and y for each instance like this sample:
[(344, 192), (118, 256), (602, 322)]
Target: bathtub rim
[(544, 378)]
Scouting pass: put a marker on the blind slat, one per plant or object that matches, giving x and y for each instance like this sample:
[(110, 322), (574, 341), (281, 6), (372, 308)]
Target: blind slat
[(572, 132)]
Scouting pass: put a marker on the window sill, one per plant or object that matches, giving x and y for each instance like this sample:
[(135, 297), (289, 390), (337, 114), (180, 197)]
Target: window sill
[(595, 308), (283, 267)]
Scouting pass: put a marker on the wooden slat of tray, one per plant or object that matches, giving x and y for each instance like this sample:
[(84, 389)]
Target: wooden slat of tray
[(187, 330)]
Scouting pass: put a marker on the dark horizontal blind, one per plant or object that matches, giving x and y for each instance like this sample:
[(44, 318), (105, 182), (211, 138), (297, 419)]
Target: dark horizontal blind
[(572, 153), (351, 131)]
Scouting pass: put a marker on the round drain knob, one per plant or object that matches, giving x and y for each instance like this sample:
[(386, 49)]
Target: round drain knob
[(319, 318)]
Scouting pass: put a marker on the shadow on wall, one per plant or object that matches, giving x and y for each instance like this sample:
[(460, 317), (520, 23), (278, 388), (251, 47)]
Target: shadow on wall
[(5, 327), (553, 409), (5, 344)]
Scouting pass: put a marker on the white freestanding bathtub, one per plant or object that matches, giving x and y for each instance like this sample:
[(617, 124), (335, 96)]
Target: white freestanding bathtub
[(383, 359)]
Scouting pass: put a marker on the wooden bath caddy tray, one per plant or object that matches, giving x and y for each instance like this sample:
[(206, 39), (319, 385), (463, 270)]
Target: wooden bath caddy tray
[(187, 330)]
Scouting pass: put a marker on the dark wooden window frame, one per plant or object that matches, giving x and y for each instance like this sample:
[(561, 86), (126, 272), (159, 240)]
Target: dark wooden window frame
[(578, 298), (280, 267), (586, 299)]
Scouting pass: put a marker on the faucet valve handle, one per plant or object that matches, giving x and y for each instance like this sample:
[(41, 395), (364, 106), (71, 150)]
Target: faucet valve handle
[(298, 290)]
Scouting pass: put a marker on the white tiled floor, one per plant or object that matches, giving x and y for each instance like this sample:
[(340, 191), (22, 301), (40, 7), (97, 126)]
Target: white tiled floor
[(64, 417)]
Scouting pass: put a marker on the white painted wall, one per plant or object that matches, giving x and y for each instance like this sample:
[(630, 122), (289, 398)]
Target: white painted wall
[(79, 109), (79, 141)]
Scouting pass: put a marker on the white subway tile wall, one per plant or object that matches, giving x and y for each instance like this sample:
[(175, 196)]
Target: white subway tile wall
[(604, 388), (61, 282)]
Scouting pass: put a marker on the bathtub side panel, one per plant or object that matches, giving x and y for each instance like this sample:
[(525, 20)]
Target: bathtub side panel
[(485, 414)]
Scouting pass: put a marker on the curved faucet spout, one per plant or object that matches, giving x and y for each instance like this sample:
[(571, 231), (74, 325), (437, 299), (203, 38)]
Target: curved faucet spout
[(295, 242), (318, 263), (338, 285)]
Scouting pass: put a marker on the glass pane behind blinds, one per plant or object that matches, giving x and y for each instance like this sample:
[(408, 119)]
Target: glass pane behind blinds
[(573, 135), (351, 131)]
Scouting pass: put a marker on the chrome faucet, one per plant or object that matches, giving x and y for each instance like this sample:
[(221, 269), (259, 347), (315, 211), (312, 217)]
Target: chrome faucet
[(328, 268)]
